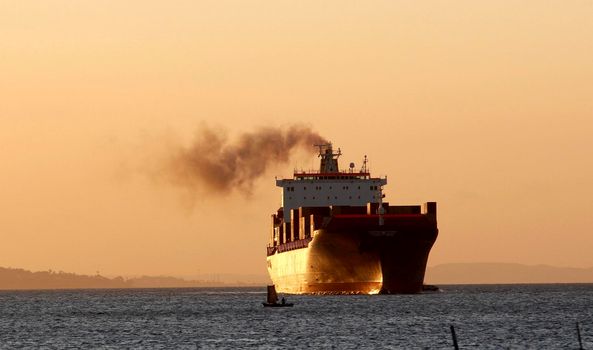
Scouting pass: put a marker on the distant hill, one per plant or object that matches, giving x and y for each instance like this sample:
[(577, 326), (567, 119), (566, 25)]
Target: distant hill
[(494, 273), (23, 279), (11, 279), (460, 273)]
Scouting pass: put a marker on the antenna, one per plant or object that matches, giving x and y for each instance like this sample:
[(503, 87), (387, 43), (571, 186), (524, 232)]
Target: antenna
[(323, 146), (364, 164)]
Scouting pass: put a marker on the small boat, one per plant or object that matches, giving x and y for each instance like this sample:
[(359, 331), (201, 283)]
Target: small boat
[(273, 299)]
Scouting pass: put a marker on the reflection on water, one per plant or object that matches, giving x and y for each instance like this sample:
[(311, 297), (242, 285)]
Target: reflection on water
[(485, 317)]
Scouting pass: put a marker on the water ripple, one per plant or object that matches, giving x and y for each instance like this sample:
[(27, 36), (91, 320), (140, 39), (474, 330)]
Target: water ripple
[(485, 317)]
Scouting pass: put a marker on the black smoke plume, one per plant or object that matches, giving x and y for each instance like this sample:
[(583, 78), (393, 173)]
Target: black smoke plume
[(215, 163)]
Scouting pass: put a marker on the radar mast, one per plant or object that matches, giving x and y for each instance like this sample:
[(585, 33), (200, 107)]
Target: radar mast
[(329, 159)]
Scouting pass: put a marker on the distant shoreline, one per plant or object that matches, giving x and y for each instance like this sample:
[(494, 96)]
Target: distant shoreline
[(20, 279), (454, 274), (505, 273), (442, 287)]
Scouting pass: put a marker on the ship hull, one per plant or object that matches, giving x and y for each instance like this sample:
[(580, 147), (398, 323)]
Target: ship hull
[(356, 255)]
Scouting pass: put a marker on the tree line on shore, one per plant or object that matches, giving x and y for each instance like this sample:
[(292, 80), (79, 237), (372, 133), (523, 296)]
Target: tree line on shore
[(15, 279)]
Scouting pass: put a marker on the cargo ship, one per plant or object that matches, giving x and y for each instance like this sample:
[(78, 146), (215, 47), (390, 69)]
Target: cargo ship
[(334, 234)]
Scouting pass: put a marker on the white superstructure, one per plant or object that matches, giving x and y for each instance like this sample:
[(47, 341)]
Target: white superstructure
[(330, 186)]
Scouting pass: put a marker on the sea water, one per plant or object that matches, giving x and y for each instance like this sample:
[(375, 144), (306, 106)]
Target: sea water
[(484, 317)]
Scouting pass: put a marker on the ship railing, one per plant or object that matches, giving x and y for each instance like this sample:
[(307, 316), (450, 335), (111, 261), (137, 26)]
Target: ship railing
[(342, 172), (331, 176), (288, 246)]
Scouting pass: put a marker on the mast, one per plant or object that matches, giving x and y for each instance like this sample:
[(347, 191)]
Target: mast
[(364, 168), (329, 159)]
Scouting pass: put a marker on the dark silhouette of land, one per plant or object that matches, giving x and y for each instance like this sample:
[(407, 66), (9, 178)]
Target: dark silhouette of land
[(503, 273), (462, 273), (12, 279)]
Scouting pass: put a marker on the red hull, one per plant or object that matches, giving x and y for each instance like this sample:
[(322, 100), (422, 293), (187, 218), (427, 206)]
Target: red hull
[(354, 253)]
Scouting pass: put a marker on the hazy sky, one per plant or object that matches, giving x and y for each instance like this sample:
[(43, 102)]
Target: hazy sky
[(483, 106)]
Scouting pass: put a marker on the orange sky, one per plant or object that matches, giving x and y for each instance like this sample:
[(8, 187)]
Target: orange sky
[(483, 106)]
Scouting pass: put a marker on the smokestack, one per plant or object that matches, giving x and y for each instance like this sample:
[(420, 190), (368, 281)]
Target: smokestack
[(214, 163)]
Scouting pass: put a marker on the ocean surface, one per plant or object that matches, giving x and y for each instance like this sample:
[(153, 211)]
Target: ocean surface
[(484, 317)]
